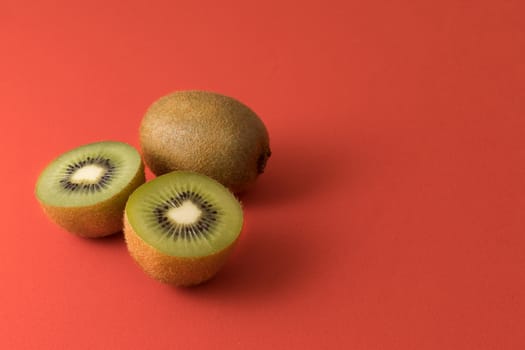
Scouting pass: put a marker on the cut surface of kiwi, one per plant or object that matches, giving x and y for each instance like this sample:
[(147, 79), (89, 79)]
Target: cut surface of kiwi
[(85, 190), (180, 226)]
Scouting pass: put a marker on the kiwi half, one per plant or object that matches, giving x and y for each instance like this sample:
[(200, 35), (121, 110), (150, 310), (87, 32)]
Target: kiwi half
[(180, 227), (85, 190), (208, 133)]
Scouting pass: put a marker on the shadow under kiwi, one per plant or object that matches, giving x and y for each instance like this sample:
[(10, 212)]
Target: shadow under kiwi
[(266, 263), (113, 239), (293, 174)]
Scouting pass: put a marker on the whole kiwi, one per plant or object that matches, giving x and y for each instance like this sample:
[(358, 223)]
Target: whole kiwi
[(208, 133)]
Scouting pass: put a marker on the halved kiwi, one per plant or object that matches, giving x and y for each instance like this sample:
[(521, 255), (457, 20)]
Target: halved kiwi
[(180, 227), (85, 190)]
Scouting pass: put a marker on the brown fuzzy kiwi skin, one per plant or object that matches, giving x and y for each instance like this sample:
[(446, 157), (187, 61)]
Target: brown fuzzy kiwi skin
[(208, 133), (99, 220), (178, 271)]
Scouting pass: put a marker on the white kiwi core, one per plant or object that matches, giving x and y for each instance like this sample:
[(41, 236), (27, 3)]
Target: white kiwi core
[(187, 213), (88, 174)]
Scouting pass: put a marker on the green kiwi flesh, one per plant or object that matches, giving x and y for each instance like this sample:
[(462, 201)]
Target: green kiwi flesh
[(208, 133), (181, 226), (85, 190)]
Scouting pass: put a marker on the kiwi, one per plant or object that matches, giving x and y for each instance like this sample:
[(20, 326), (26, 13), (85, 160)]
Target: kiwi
[(181, 227), (207, 133), (85, 190)]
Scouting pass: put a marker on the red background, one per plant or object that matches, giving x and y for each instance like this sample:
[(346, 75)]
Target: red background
[(390, 215)]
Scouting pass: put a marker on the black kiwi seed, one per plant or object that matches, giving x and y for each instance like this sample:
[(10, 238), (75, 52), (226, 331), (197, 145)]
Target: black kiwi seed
[(88, 187), (200, 229)]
